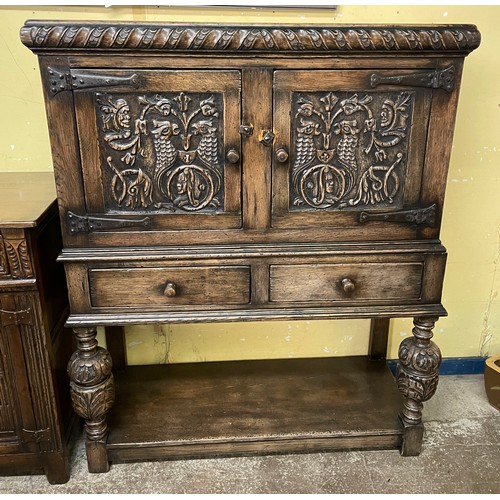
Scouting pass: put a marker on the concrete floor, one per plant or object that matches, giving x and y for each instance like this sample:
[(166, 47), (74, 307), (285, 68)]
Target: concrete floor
[(461, 454)]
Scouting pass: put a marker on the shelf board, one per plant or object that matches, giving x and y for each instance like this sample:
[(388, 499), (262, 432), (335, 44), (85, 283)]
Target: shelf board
[(253, 407)]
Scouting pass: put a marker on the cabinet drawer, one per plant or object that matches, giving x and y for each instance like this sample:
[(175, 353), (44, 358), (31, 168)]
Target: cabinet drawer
[(169, 286), (346, 282)]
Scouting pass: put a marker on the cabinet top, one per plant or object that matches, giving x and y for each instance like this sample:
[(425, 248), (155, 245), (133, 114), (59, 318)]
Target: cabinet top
[(242, 39), (25, 197)]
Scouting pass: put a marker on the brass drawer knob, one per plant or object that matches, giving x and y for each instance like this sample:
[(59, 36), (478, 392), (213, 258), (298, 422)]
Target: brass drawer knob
[(282, 155), (170, 290), (348, 285), (232, 156)]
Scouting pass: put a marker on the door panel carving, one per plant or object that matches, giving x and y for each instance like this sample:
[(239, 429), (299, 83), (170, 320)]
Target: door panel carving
[(163, 152), (164, 157), (350, 149)]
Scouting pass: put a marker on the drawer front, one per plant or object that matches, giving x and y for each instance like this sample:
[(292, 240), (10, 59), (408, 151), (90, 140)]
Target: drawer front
[(169, 286), (376, 282)]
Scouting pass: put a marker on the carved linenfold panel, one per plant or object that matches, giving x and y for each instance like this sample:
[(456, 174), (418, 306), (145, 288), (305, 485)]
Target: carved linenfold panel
[(250, 39), (7, 409), (163, 152), (17, 260), (350, 149)]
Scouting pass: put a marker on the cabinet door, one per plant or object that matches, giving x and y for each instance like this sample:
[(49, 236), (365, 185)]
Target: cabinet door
[(344, 148), (160, 148)]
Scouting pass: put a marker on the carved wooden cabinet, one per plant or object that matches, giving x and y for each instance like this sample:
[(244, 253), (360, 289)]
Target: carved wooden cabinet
[(229, 173), (35, 409)]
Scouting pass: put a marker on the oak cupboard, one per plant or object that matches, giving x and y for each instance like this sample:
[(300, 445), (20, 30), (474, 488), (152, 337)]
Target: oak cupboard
[(233, 173)]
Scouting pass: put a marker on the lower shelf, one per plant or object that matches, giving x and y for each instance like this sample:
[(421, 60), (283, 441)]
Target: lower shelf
[(253, 407)]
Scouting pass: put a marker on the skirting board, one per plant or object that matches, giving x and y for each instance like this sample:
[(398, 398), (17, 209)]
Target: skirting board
[(472, 365)]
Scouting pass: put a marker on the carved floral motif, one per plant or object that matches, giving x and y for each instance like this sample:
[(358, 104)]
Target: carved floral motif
[(169, 157), (350, 149), (4, 267), (91, 383), (417, 370), (92, 403), (15, 259), (91, 370)]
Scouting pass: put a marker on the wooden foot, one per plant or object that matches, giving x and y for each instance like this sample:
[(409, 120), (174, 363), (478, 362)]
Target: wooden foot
[(417, 377), (92, 393), (412, 439), (57, 467), (97, 456)]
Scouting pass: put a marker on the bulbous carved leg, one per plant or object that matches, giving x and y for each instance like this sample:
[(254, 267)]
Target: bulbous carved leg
[(92, 394), (417, 377)]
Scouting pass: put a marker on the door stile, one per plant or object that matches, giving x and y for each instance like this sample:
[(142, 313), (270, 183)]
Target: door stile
[(87, 126), (257, 93), (232, 146)]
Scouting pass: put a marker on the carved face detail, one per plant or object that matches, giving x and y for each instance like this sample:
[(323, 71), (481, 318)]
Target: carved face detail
[(329, 181), (122, 114), (386, 115), (159, 153), (347, 127), (182, 183)]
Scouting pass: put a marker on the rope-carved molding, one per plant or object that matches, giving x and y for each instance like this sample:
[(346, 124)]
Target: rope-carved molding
[(63, 36)]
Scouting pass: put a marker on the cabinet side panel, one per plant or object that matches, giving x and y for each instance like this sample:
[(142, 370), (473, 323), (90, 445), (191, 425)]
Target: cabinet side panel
[(65, 151), (438, 152)]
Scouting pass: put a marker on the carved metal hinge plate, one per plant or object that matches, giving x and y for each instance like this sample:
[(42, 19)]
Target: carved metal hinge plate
[(36, 436), (60, 81), (418, 216), (88, 223), (16, 317), (437, 79)]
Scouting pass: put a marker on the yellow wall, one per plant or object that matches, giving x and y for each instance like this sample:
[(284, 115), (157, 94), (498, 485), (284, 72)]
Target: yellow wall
[(471, 224)]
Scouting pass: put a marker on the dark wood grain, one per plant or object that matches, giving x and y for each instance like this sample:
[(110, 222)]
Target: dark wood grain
[(195, 285), (242, 173), (371, 282), (249, 407)]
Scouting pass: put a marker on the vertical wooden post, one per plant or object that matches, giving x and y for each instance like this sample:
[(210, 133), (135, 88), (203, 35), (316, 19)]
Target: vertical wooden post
[(92, 394), (417, 377), (116, 345), (379, 333)]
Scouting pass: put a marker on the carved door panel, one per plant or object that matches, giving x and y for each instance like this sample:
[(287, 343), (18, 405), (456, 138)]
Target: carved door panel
[(159, 149), (16, 411), (349, 149)]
